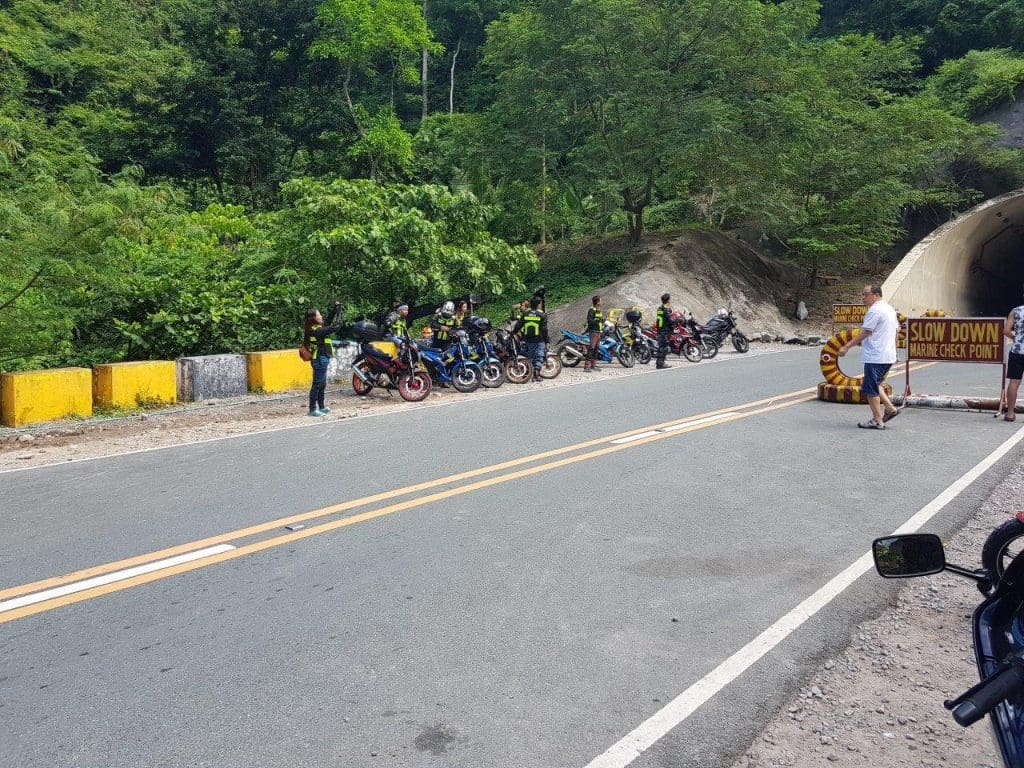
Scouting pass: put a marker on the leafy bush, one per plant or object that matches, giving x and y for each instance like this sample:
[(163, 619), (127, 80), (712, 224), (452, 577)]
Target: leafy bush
[(979, 81)]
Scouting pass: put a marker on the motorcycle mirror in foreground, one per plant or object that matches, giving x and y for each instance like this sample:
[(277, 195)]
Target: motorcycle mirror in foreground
[(913, 554)]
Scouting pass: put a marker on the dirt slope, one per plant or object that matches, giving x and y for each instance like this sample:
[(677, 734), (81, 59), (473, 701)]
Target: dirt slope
[(702, 271)]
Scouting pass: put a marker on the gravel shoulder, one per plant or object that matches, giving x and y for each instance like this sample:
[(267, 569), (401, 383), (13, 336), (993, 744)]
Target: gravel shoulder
[(71, 440), (879, 703)]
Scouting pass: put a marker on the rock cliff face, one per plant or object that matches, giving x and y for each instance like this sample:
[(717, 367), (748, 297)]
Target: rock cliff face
[(1009, 117), (703, 271)]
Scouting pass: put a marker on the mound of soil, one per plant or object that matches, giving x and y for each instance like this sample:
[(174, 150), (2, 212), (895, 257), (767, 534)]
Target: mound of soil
[(703, 271)]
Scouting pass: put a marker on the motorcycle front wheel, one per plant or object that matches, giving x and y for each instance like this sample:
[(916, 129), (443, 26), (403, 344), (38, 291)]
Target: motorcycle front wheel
[(414, 387), (691, 351), (1001, 546), (740, 342), (551, 368), (518, 370), (625, 355), (492, 374), (710, 348), (359, 386), (466, 378)]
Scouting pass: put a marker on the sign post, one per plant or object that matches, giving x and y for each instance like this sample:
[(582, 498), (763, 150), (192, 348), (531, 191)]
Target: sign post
[(957, 340)]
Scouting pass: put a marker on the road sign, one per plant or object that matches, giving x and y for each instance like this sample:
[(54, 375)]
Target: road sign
[(848, 314), (956, 339)]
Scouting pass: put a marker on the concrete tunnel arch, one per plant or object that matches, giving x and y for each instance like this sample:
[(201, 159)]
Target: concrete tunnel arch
[(971, 266)]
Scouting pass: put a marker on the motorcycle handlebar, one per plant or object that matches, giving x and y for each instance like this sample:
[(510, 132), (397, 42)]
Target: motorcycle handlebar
[(988, 694)]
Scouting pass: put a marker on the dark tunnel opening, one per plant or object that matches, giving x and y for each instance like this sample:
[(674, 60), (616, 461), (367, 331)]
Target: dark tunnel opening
[(996, 276)]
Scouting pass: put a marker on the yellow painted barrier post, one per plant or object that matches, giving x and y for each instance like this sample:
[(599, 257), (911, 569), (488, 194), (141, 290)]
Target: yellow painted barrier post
[(27, 397), (129, 385), (278, 371)]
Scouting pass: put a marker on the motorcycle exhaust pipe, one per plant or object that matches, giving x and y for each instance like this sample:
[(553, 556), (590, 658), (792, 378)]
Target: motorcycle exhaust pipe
[(573, 352), (362, 376)]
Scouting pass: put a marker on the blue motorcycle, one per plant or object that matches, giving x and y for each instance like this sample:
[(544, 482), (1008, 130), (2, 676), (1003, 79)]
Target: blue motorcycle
[(575, 347), (483, 353), (453, 365), (997, 622)]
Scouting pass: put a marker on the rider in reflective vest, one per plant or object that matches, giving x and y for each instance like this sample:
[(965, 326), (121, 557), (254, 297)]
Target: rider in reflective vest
[(443, 325), (533, 326), (663, 320), (595, 320)]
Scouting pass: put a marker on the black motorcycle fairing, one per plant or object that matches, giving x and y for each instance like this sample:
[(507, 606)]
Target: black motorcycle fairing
[(998, 632)]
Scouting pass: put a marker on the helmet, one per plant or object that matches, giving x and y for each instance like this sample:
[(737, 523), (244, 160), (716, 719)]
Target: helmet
[(448, 309), (608, 325), (723, 313)]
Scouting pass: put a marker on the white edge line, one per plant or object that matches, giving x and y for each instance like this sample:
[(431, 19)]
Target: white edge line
[(409, 408), (641, 738), (705, 420), (109, 578), (631, 438)]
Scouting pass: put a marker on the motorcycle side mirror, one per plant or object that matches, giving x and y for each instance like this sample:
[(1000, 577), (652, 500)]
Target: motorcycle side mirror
[(909, 555)]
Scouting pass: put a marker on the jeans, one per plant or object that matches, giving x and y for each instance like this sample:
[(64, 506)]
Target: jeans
[(663, 337), (316, 392), (535, 351)]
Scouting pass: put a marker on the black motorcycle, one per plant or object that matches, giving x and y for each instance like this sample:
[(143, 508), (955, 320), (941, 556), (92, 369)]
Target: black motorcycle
[(722, 325), (997, 626)]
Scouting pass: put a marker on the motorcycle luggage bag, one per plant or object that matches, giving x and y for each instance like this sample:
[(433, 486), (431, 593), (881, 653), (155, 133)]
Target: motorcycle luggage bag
[(364, 330)]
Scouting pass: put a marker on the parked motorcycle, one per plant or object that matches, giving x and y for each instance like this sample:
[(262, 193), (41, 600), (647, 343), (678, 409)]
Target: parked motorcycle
[(723, 325), (511, 351), (643, 348), (998, 638), (682, 341), (483, 353), (574, 347), (453, 366), (708, 345), (386, 365)]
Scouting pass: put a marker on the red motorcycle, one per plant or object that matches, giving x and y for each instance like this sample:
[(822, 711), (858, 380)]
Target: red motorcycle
[(686, 339), (387, 365)]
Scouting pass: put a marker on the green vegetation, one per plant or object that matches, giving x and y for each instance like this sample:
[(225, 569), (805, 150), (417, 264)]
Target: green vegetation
[(189, 176)]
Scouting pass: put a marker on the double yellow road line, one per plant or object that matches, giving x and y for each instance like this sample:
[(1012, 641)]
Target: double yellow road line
[(47, 594)]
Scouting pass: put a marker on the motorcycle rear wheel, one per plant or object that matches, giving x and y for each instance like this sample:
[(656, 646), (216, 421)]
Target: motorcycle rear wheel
[(359, 386), (552, 367), (626, 359), (691, 351), (1001, 546), (643, 354), (710, 348), (570, 354), (414, 387), (466, 379), (518, 370), (740, 342), (492, 374)]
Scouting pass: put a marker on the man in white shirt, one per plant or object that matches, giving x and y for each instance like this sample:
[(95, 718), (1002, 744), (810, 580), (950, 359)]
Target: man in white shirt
[(878, 335)]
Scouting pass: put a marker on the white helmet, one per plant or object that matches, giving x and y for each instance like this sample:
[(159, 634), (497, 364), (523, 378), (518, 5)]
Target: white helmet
[(723, 313), (608, 325), (448, 309)]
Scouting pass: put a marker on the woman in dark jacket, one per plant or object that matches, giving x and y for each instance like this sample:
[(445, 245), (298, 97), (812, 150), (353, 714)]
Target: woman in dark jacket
[(316, 337)]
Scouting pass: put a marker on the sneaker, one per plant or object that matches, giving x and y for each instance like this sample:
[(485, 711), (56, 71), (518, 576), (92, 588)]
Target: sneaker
[(324, 411), (662, 366), (315, 412), (891, 415), (871, 424)]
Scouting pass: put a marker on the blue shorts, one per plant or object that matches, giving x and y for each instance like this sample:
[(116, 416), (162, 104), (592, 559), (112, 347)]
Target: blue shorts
[(874, 375)]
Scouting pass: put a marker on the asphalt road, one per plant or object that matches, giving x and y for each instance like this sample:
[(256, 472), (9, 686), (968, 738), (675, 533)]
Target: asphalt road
[(516, 582)]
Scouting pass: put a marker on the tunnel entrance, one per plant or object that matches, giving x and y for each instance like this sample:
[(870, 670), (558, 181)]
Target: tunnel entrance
[(996, 275), (971, 266)]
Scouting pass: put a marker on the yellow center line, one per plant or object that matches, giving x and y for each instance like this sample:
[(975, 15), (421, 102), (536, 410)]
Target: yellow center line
[(333, 509), (277, 541)]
